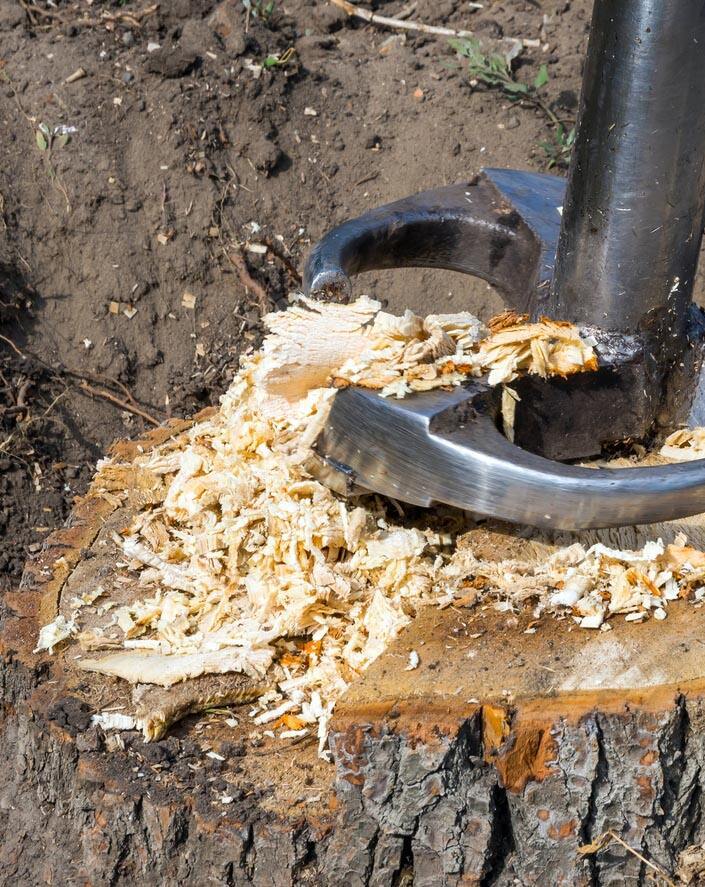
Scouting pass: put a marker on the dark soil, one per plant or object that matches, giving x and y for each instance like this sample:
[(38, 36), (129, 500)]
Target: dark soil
[(181, 157)]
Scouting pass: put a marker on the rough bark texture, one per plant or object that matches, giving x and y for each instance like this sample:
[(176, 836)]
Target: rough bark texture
[(423, 797), (442, 812), (491, 763)]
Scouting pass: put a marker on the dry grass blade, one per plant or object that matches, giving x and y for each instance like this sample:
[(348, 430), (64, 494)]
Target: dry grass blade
[(606, 838)]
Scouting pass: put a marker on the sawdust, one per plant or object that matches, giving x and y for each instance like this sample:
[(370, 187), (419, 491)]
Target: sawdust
[(684, 445), (247, 564)]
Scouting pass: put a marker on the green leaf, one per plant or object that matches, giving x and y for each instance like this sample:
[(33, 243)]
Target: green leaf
[(62, 140), (541, 78), (512, 86), (42, 142), (469, 47), (271, 61)]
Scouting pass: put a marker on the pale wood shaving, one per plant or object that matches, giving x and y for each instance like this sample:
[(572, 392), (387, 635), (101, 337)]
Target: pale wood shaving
[(684, 445)]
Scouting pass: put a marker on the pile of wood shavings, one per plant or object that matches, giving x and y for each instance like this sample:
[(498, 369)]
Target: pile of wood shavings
[(591, 585), (250, 565), (409, 353)]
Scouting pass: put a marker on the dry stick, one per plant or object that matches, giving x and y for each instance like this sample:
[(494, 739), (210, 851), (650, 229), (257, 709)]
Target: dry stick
[(12, 345), (240, 264), (91, 390), (385, 21), (372, 17), (106, 395), (285, 260)]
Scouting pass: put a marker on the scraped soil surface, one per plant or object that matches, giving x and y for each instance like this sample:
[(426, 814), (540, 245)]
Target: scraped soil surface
[(184, 160)]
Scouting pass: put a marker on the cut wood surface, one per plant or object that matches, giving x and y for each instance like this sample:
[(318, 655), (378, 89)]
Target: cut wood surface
[(508, 747)]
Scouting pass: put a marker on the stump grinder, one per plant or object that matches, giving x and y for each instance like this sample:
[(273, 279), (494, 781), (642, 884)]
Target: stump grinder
[(612, 248)]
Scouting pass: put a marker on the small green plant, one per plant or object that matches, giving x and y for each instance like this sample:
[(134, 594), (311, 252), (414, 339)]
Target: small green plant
[(48, 138), (261, 9), (279, 61), (496, 71), (558, 150)]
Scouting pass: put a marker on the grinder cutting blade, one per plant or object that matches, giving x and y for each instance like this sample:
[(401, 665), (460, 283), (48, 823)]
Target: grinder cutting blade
[(620, 261)]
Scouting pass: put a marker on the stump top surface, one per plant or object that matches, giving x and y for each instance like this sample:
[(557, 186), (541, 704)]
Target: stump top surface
[(480, 675), (466, 656), (471, 657)]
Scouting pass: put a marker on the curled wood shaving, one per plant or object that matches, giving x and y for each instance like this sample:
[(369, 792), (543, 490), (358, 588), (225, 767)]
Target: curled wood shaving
[(546, 348), (684, 445)]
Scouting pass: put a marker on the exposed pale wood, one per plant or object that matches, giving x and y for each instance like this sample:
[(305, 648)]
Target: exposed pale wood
[(308, 345)]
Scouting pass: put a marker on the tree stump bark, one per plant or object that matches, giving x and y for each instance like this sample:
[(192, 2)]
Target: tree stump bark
[(509, 747)]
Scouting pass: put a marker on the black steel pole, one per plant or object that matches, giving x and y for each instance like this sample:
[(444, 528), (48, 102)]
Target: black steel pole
[(633, 216)]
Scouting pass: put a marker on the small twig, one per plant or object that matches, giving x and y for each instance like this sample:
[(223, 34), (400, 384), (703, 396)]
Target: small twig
[(106, 395), (12, 345), (33, 11), (21, 400), (60, 371), (607, 837), (133, 19), (386, 22), (365, 179), (54, 403), (118, 384), (277, 252), (239, 262)]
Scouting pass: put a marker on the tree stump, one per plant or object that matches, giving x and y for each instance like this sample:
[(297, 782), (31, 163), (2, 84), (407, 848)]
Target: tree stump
[(509, 747)]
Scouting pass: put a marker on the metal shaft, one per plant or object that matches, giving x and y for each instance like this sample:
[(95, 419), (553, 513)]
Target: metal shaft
[(633, 216)]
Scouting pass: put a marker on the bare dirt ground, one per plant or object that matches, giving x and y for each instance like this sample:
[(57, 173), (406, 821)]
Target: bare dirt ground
[(179, 158)]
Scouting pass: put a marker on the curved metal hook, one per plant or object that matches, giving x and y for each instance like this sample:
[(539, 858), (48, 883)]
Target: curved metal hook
[(501, 227)]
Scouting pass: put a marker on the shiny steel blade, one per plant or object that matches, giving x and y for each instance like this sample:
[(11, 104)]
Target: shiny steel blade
[(444, 447)]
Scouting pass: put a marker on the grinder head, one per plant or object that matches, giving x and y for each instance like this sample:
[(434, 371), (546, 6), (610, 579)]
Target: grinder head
[(613, 249)]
